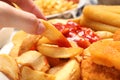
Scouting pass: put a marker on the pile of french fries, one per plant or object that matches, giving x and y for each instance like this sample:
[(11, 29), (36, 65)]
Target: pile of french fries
[(50, 56), (49, 7)]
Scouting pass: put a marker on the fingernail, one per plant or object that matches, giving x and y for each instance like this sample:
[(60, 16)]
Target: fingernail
[(41, 28)]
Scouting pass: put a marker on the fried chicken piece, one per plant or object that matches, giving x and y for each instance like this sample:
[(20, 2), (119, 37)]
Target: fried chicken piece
[(92, 71), (106, 52), (116, 35)]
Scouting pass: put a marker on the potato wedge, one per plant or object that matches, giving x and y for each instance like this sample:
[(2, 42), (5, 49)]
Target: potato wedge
[(54, 35), (9, 67), (106, 52), (59, 52), (28, 43), (70, 71), (19, 37), (17, 41), (23, 44), (29, 74), (35, 60)]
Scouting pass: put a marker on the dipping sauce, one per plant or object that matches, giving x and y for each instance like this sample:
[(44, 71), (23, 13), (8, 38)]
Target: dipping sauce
[(81, 35)]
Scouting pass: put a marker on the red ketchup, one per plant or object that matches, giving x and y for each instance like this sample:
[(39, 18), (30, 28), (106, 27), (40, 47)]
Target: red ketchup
[(81, 35)]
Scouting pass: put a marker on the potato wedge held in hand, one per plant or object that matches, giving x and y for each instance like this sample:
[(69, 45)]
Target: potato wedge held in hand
[(9, 67), (59, 52), (35, 60), (29, 74), (55, 35), (70, 71), (106, 52)]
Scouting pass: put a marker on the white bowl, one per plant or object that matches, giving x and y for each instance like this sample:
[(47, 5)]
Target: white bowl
[(5, 35)]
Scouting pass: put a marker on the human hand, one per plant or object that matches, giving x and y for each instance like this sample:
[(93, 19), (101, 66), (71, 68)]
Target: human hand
[(9, 16)]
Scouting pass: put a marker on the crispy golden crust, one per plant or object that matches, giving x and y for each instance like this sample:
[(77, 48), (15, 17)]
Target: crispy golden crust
[(92, 71)]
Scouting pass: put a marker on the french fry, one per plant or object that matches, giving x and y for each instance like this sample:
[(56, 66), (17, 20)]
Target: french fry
[(54, 35), (35, 60), (59, 52), (103, 16), (95, 25), (9, 67), (29, 74)]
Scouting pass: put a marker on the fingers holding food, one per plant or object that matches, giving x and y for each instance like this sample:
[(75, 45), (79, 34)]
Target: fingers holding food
[(54, 35)]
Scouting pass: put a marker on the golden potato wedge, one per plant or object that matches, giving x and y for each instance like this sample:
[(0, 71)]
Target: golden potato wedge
[(59, 52), (28, 43), (24, 44), (55, 35), (29, 74), (56, 68), (19, 37), (34, 59), (9, 67), (70, 71), (106, 52), (17, 41)]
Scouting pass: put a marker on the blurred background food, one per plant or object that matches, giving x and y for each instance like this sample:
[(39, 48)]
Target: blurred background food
[(60, 8), (49, 7)]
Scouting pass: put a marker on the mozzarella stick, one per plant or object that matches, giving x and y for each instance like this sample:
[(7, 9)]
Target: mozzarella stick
[(103, 16), (97, 25)]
